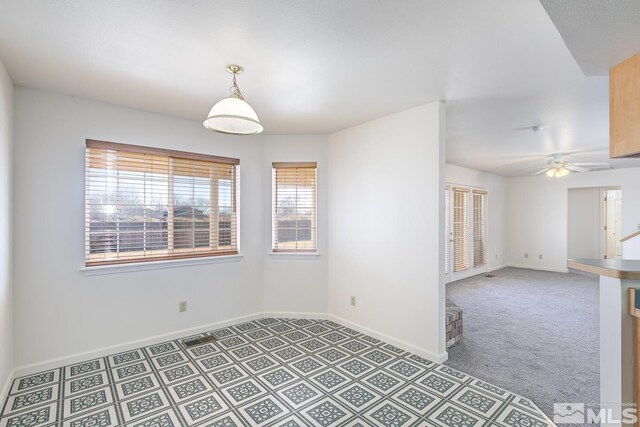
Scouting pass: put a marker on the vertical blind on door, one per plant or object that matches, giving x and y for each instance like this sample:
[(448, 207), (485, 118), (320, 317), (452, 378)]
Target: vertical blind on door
[(460, 228), (149, 204), (294, 207), (479, 228)]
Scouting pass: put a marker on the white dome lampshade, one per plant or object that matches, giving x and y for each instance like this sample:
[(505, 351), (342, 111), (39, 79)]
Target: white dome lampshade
[(233, 115)]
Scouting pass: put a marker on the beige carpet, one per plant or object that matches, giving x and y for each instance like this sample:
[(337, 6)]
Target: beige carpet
[(531, 332)]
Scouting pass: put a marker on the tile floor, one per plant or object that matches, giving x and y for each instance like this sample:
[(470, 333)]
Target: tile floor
[(269, 372)]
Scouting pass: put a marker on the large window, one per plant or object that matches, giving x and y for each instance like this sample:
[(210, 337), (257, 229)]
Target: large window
[(148, 204), (294, 207), (479, 228)]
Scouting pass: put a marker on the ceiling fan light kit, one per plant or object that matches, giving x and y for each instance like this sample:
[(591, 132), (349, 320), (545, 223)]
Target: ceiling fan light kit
[(233, 115), (557, 168)]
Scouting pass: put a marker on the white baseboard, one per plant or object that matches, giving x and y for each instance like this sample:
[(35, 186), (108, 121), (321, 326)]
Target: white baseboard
[(489, 270), (131, 345), (294, 315), (4, 393), (533, 267), (438, 358)]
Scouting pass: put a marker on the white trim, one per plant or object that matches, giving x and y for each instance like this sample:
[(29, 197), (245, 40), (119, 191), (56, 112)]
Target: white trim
[(498, 267), (154, 265), (294, 255), (532, 267), (131, 345), (437, 358), (4, 393), (295, 315)]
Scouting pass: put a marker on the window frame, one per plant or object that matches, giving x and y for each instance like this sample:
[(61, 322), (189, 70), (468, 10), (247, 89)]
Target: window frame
[(294, 252), (171, 255)]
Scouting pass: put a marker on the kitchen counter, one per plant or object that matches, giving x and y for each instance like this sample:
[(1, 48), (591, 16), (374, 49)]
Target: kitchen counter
[(626, 269)]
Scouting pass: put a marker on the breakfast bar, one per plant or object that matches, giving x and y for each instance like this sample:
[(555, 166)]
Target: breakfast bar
[(617, 276)]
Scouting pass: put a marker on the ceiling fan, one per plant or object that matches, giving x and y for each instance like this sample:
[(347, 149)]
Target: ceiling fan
[(557, 167)]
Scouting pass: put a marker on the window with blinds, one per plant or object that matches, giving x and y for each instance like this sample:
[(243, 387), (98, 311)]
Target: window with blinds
[(148, 204), (294, 207), (479, 228), (460, 228)]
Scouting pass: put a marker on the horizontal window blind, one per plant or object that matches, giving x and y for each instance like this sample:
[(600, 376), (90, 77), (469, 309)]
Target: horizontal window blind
[(460, 229), (479, 228), (148, 204), (294, 207)]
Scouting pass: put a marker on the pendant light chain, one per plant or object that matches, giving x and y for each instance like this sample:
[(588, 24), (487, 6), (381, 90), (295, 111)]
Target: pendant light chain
[(235, 90)]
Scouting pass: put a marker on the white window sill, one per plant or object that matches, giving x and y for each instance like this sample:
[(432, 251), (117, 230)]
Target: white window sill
[(294, 255), (155, 265)]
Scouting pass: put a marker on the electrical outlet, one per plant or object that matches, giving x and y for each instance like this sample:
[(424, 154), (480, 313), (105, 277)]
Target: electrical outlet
[(353, 301), (540, 256), (182, 306), (526, 255)]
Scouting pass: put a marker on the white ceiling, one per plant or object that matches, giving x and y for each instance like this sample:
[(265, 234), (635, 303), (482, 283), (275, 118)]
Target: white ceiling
[(599, 34), (321, 66)]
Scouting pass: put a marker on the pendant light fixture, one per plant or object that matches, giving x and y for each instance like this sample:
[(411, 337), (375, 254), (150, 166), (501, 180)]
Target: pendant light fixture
[(233, 115)]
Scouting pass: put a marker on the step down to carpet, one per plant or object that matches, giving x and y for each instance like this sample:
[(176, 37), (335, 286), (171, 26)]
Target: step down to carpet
[(198, 341)]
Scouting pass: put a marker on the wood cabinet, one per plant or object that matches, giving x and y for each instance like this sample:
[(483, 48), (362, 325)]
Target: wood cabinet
[(624, 108)]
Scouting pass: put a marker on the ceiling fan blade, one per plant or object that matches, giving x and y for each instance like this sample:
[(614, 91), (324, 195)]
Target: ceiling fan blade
[(540, 172), (572, 167), (603, 164)]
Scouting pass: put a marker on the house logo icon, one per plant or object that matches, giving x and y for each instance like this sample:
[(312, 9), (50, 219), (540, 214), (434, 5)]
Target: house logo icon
[(568, 413)]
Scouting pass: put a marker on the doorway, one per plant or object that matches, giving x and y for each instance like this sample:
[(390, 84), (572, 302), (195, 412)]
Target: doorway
[(594, 223), (465, 231)]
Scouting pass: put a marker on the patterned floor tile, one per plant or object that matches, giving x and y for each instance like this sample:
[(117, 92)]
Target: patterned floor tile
[(85, 383), (512, 416), (166, 418), (204, 408), (31, 382), (476, 401), (244, 391), (450, 415), (389, 414), (189, 389), (228, 375), (88, 401), (143, 405), (30, 399), (178, 373), (268, 373), (103, 417), (300, 394), (357, 396), (36, 417), (416, 399), (278, 377), (264, 411), (126, 357), (330, 379), (138, 385), (327, 413), (131, 370)]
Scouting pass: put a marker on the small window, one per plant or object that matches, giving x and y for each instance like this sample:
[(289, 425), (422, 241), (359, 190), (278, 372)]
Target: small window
[(294, 207), (148, 204)]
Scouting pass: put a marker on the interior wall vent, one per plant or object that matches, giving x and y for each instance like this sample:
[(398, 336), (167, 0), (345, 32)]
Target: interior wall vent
[(198, 341)]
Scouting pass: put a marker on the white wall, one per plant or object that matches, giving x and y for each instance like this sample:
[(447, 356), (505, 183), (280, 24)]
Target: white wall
[(538, 213), (584, 228), (385, 239), (496, 209), (60, 311), (6, 283), (296, 285)]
